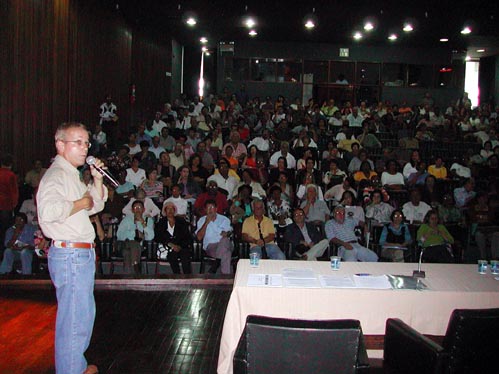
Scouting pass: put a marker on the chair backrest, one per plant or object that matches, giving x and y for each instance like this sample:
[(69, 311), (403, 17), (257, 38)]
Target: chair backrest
[(472, 341), (275, 345)]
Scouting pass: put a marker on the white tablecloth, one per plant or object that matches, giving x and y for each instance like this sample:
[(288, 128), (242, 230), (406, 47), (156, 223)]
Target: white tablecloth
[(450, 286)]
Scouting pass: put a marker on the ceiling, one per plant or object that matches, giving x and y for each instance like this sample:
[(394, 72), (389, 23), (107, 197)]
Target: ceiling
[(337, 20)]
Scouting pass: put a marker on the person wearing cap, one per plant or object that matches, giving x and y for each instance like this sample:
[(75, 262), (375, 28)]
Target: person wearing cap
[(64, 207), (173, 232), (212, 193), (19, 243), (341, 231)]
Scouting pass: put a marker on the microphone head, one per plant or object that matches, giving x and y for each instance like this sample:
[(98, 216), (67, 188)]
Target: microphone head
[(90, 160)]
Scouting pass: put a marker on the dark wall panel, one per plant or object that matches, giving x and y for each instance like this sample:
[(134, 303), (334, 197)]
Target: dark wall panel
[(59, 58)]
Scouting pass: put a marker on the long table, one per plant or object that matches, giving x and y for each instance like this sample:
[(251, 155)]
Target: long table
[(450, 286)]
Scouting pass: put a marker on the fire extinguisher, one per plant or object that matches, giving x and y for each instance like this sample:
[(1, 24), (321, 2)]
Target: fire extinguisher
[(132, 94)]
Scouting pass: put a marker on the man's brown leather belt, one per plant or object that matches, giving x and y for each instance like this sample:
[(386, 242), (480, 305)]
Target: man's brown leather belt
[(68, 244)]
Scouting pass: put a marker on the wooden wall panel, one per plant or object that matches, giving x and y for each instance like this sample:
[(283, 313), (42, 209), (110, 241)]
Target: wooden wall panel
[(59, 58)]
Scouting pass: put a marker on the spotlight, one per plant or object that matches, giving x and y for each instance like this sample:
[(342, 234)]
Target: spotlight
[(368, 26), (444, 40), (252, 33), (393, 37), (203, 40), (204, 49), (480, 50), (309, 24), (466, 30), (357, 35), (249, 23), (191, 21), (408, 27)]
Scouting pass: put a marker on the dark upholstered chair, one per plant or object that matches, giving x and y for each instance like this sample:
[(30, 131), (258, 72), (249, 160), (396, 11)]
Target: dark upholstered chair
[(284, 346), (469, 346)]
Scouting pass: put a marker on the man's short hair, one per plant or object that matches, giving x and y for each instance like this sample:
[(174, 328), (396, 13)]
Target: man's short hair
[(144, 143), (138, 202), (60, 133), (210, 201), (23, 216)]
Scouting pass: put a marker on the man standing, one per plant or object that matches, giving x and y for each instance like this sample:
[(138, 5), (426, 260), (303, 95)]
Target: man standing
[(64, 207), (340, 231), (109, 121), (259, 232)]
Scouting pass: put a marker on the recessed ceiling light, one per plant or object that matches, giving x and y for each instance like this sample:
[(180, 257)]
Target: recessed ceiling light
[(408, 27), (368, 26), (357, 35), (252, 33), (309, 24), (393, 37), (250, 23), (466, 30), (191, 21), (444, 40), (468, 58), (480, 50), (203, 40)]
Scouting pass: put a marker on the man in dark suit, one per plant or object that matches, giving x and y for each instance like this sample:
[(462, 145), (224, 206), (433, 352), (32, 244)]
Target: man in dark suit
[(307, 242)]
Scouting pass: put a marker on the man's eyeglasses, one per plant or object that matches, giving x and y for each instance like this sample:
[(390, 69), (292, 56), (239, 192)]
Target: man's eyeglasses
[(79, 143)]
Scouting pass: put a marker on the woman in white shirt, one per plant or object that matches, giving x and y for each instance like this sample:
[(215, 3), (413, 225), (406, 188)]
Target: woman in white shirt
[(391, 178), (410, 167)]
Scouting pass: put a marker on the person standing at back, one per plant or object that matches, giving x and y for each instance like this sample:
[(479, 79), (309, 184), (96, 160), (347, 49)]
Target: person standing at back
[(64, 207)]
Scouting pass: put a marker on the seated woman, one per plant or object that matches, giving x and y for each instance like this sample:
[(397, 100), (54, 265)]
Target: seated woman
[(190, 189), (431, 192), (198, 172), (150, 209), (287, 192), (249, 161), (435, 239), (392, 178), (152, 187), (310, 167), (486, 229), (173, 233), (365, 172), (438, 170), (395, 237), (233, 162), (334, 175), (279, 209), (132, 231), (301, 193), (247, 179), (351, 207), (410, 167), (419, 177), (378, 210), (282, 167)]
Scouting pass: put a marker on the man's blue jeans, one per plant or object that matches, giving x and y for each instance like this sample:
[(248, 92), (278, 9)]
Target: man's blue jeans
[(10, 255), (273, 251), (72, 271)]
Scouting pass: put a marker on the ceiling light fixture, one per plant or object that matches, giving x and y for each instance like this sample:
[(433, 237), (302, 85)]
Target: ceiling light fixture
[(468, 58), (480, 50), (309, 24), (252, 33), (368, 26), (191, 21), (393, 37), (444, 40), (204, 49), (408, 27), (203, 40), (250, 22), (466, 30), (357, 35)]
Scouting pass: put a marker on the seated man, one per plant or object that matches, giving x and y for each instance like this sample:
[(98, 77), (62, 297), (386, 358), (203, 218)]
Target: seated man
[(316, 211), (132, 231), (19, 243), (180, 203), (340, 230), (173, 232), (415, 210), (213, 229), (307, 242), (211, 193), (259, 231)]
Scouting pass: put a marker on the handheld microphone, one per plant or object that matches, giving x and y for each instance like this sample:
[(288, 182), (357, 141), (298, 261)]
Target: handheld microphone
[(91, 161)]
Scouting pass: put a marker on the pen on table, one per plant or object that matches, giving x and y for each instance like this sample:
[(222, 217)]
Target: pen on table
[(362, 274)]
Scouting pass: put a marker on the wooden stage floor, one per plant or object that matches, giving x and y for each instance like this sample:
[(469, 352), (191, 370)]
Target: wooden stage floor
[(147, 328)]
